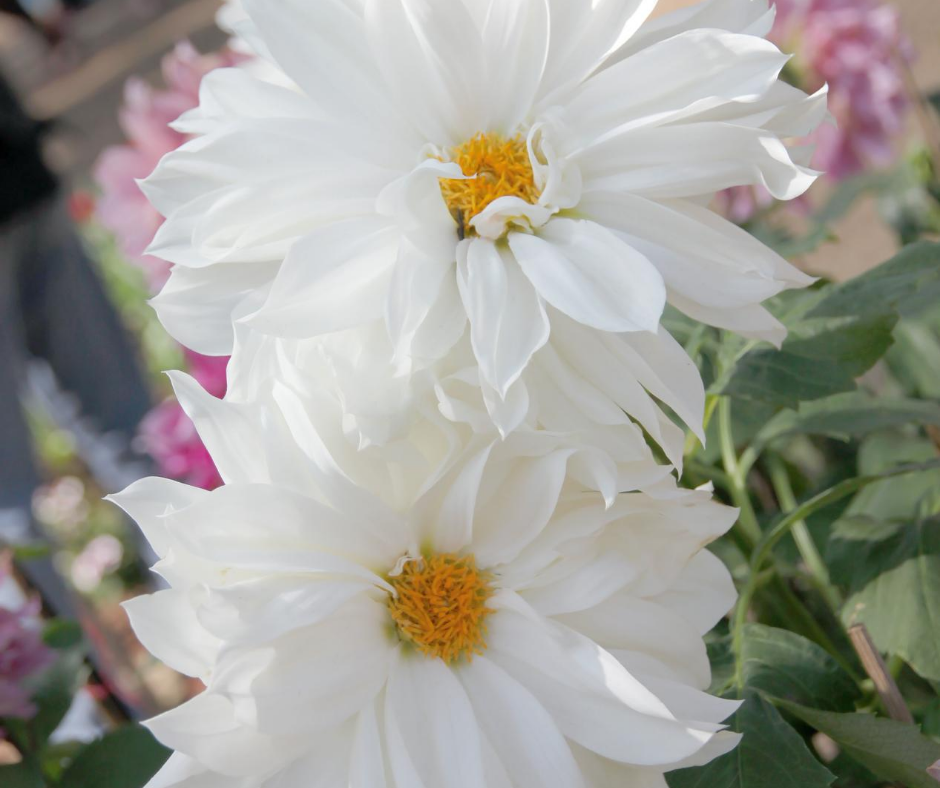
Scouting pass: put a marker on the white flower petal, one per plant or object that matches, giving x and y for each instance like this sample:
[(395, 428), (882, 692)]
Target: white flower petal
[(523, 734), (434, 724), (148, 501), (431, 58), (507, 318), (696, 70), (257, 610), (333, 279), (623, 622), (324, 48), (367, 762), (753, 17), (515, 47), (165, 623), (583, 33), (586, 272), (691, 159), (703, 594), (594, 701), (196, 305), (205, 728), (181, 771), (312, 679), (230, 431)]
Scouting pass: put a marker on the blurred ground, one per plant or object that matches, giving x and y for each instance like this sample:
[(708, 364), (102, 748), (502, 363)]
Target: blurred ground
[(82, 83)]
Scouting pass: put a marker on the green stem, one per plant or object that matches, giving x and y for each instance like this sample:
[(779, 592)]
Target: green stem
[(780, 480), (692, 443), (764, 549), (710, 472), (747, 521)]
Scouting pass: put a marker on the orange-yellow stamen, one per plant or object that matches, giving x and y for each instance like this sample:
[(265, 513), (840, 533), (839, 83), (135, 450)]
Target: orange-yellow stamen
[(440, 605), (502, 169)]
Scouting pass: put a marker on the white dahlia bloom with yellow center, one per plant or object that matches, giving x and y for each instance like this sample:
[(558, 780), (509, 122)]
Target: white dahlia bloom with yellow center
[(532, 173), (527, 621)]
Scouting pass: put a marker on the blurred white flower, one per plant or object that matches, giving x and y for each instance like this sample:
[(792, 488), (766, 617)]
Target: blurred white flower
[(520, 623), (61, 503), (535, 168), (101, 555)]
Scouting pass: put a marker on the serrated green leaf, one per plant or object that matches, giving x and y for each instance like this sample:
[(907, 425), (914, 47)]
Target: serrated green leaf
[(838, 334), (847, 416), (770, 755), (126, 758), (821, 358), (898, 284), (785, 665), (895, 592), (915, 357), (897, 498), (891, 750)]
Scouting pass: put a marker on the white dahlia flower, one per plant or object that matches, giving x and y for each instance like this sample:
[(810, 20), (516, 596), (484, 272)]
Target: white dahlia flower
[(584, 380), (538, 169), (510, 628)]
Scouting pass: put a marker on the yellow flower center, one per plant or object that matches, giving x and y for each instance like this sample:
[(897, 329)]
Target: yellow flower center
[(440, 605), (502, 169)]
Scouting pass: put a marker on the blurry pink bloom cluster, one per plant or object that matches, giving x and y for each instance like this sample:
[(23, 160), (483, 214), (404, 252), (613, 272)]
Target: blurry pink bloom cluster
[(858, 49), (145, 119), (22, 652), (167, 433), (856, 46)]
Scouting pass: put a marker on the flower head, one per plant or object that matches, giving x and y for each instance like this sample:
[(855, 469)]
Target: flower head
[(534, 170), (529, 615)]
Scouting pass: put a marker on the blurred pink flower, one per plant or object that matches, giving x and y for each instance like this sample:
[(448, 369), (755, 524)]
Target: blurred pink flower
[(857, 47), (168, 435), (145, 119), (209, 371), (22, 653)]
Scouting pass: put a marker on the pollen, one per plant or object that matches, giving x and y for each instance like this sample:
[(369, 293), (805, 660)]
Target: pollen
[(501, 168), (440, 605)]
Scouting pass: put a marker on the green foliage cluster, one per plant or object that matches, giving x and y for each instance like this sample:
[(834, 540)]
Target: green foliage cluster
[(830, 446)]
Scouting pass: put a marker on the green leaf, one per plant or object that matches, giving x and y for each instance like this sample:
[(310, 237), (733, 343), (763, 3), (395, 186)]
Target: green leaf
[(785, 665), (837, 332), (30, 551), (822, 357), (902, 284), (61, 634), (847, 416), (129, 757), (55, 691), (915, 357), (891, 750), (771, 755), (21, 775), (895, 592), (721, 659), (898, 498)]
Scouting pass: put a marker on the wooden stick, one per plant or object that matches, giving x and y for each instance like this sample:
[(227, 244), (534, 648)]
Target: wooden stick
[(875, 667)]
